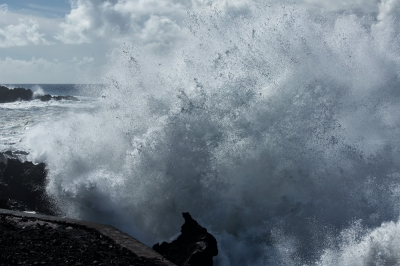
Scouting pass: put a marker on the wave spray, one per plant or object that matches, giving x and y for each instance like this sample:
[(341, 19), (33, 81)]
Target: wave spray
[(276, 128)]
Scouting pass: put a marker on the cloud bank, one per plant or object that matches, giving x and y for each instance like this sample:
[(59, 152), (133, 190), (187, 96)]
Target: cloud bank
[(145, 21), (148, 21), (154, 24), (22, 34)]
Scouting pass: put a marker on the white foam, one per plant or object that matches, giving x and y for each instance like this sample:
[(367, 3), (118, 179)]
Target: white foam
[(359, 247), (274, 129), (37, 91)]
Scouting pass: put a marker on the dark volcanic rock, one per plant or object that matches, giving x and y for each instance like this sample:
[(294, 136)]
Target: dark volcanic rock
[(17, 94), (48, 97), (67, 97), (4, 203), (44, 98), (28, 241), (194, 247), (22, 184), (20, 94)]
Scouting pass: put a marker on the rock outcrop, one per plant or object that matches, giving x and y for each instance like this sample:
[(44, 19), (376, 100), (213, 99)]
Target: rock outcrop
[(17, 94), (194, 247), (44, 98), (48, 97), (20, 94), (22, 185)]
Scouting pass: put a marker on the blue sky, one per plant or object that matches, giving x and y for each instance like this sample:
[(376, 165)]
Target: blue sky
[(60, 41), (49, 8)]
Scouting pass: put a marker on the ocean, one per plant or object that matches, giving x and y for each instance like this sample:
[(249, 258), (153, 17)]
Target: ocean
[(277, 129)]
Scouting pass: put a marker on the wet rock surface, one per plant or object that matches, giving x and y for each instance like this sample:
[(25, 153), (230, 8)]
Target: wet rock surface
[(17, 94), (29, 241), (194, 247), (22, 185)]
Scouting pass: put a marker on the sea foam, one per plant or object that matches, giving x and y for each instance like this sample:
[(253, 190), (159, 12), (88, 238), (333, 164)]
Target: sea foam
[(276, 128)]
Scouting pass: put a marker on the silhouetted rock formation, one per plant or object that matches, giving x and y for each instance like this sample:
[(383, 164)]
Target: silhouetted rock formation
[(66, 97), (48, 97), (194, 247), (4, 203), (11, 95), (44, 98), (22, 185), (20, 94)]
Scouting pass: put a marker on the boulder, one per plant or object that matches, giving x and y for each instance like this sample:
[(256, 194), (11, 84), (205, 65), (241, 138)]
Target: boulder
[(17, 94), (194, 247), (22, 186)]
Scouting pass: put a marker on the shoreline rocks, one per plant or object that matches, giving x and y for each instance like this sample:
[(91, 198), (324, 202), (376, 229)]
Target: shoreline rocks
[(31, 239), (194, 247), (22, 188), (48, 97), (21, 94), (11, 95), (22, 185)]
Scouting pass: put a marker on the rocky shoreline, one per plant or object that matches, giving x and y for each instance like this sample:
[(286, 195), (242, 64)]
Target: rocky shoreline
[(28, 239), (21, 94), (22, 185)]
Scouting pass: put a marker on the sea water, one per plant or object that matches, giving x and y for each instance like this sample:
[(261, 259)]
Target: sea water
[(276, 128), (19, 117)]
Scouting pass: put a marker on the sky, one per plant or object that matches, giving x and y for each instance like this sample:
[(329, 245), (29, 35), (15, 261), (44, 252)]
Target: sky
[(70, 41)]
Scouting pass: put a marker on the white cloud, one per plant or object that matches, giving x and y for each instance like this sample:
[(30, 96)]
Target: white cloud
[(364, 6), (4, 8), (84, 61), (18, 29), (48, 26), (160, 30), (145, 20), (24, 33), (158, 24), (93, 19), (388, 26), (389, 10), (151, 22)]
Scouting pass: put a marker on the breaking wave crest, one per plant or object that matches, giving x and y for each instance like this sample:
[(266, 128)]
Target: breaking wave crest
[(276, 128)]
